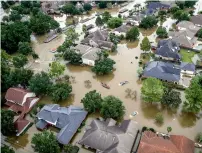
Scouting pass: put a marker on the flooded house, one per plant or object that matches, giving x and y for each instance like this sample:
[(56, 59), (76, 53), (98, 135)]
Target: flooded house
[(153, 143), (135, 19), (185, 35), (106, 136), (122, 30), (196, 20), (89, 54), (98, 39), (168, 50), (67, 119), (20, 101), (52, 7)]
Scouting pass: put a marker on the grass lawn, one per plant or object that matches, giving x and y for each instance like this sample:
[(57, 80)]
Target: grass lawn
[(187, 56)]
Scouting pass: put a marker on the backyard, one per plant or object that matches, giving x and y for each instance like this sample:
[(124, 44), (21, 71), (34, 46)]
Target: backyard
[(187, 55)]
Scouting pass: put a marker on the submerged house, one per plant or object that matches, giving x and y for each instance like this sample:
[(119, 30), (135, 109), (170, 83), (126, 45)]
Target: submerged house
[(107, 137), (185, 35), (153, 143), (122, 30), (168, 50), (89, 54), (98, 39), (20, 101), (68, 119)]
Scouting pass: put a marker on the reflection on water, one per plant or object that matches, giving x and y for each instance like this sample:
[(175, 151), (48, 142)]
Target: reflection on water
[(130, 45), (148, 32), (187, 119), (18, 142), (104, 78), (150, 109)]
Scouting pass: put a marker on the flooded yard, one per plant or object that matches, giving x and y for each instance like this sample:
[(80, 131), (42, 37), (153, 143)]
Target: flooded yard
[(125, 70)]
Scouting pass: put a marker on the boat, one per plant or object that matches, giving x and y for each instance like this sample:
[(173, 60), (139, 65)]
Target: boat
[(105, 85), (53, 50), (123, 83)]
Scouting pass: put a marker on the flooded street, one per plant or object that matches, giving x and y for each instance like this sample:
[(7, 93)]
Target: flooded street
[(125, 70)]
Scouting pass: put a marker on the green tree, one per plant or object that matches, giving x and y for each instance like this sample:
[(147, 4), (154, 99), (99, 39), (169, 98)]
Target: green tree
[(70, 148), (145, 45), (20, 61), (102, 4), (35, 56), (174, 9), (60, 91), (148, 22), (71, 37), (132, 34), (56, 69), (180, 4), (35, 10), (69, 8), (114, 22), (12, 34), (6, 149), (40, 83), (84, 28), (73, 57), (140, 71), (4, 5), (193, 96), (171, 98), (103, 66), (161, 32), (45, 142), (169, 129), (159, 118), (5, 18), (109, 5), (24, 48), (15, 16), (106, 16), (112, 107), (191, 12), (87, 7), (190, 4), (99, 21), (42, 23), (152, 90), (199, 137), (92, 101), (199, 34), (7, 122), (181, 15)]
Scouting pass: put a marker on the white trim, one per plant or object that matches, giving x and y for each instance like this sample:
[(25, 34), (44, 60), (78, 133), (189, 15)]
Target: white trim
[(18, 134)]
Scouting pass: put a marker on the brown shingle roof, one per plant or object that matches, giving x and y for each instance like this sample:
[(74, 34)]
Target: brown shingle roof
[(16, 95), (151, 143)]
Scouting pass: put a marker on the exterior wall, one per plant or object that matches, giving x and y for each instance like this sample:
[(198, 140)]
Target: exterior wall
[(188, 72), (165, 58), (119, 33), (88, 62), (33, 102), (92, 43)]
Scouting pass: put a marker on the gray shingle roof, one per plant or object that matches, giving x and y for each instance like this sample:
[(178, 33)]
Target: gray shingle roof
[(107, 137), (68, 119), (122, 28), (168, 48), (187, 66), (162, 70), (197, 19)]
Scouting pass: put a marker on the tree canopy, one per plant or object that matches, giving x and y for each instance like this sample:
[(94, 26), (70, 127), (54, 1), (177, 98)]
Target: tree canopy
[(181, 15), (45, 142), (42, 23), (112, 107), (199, 34), (161, 32), (73, 57), (148, 22), (40, 83), (152, 90), (71, 37), (103, 66), (114, 22), (145, 45), (56, 69), (171, 98), (15, 16), (7, 122), (70, 8), (193, 96), (99, 21), (87, 7), (6, 149), (106, 16), (12, 34), (20, 61), (24, 48), (102, 4), (60, 91), (132, 34), (92, 101)]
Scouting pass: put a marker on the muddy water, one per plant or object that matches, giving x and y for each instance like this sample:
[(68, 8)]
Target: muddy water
[(125, 69)]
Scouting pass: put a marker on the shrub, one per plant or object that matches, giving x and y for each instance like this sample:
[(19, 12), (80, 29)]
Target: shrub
[(199, 137), (159, 118)]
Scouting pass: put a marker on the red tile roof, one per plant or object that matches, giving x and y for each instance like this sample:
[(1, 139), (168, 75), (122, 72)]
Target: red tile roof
[(151, 143), (21, 125), (16, 95)]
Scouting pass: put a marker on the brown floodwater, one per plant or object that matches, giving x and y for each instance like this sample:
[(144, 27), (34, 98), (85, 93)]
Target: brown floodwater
[(125, 70)]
